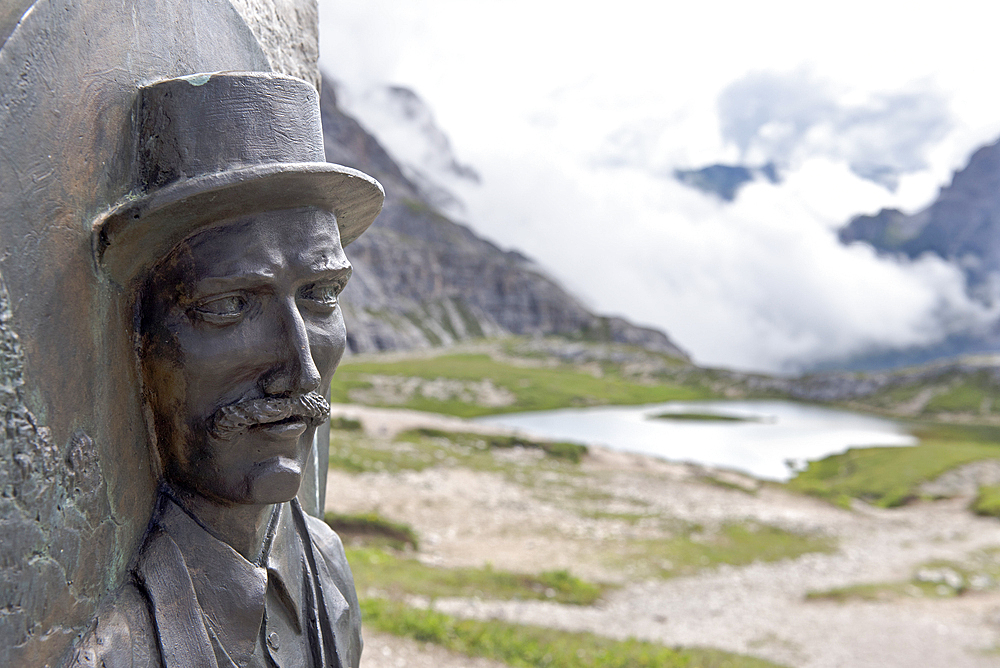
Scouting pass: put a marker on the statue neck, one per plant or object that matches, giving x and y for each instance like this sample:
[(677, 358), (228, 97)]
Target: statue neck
[(247, 528)]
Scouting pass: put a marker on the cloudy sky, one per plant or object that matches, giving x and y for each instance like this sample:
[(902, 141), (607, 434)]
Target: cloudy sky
[(576, 114)]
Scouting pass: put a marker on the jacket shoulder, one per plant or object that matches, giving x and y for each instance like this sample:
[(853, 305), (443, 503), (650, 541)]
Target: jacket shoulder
[(328, 544), (122, 634), (325, 539)]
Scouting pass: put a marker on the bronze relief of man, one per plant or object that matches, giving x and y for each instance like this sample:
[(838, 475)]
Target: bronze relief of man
[(231, 244)]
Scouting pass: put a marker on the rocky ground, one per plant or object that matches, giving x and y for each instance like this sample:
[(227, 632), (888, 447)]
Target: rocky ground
[(580, 521)]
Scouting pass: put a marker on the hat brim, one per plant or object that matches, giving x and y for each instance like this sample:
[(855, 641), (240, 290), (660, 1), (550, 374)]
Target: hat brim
[(135, 234)]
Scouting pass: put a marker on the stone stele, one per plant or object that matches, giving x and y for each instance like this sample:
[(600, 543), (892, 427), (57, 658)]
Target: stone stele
[(78, 476)]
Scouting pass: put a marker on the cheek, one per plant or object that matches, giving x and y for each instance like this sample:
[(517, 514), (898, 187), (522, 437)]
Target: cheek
[(327, 341), (163, 379)]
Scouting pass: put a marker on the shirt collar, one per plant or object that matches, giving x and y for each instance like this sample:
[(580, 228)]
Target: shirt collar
[(285, 566), (231, 590)]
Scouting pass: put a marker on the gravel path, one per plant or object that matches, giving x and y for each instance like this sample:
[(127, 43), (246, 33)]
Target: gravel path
[(467, 517)]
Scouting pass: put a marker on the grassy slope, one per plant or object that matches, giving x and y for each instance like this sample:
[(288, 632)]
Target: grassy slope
[(391, 576), (987, 502), (397, 576), (534, 387), (891, 476), (736, 544), (679, 548), (523, 646), (883, 476)]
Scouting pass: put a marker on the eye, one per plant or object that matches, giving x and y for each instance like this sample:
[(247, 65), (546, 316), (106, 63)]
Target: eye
[(321, 297), (223, 310)]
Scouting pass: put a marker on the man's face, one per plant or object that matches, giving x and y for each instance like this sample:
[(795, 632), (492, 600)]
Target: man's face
[(240, 330)]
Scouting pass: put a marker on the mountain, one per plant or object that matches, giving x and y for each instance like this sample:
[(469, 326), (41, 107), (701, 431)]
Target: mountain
[(725, 181), (402, 120), (962, 225), (421, 279)]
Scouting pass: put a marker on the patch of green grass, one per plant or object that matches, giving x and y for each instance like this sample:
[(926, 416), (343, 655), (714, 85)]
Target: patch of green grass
[(419, 449), (523, 646), (987, 501), (469, 321), (735, 543), (889, 476), (978, 571), (943, 431), (354, 453), (589, 494), (631, 518), (895, 395), (534, 388), (736, 483), (935, 579), (706, 417), (399, 576), (965, 395), (372, 528), (345, 424), (883, 591), (417, 320), (572, 452), (343, 384)]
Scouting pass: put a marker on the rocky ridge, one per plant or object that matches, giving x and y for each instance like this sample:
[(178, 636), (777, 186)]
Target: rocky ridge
[(962, 225), (423, 280), (725, 181)]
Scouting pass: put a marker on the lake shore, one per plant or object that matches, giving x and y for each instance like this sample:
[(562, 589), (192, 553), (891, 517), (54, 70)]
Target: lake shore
[(852, 597)]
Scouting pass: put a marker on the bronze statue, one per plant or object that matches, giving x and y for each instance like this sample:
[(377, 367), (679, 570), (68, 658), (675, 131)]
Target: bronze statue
[(230, 243)]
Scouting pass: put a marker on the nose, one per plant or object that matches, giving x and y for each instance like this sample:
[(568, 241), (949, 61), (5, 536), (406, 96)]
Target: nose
[(294, 370)]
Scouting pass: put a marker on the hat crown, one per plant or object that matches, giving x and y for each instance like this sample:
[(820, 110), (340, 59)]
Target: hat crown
[(213, 147), (203, 124)]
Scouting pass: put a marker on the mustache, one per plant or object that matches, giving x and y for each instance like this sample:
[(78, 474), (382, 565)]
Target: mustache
[(239, 417)]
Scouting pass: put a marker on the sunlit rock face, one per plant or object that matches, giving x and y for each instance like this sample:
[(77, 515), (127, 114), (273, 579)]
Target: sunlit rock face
[(421, 280)]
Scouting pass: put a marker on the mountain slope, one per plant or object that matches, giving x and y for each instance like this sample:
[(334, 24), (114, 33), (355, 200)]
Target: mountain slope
[(962, 225), (422, 280)]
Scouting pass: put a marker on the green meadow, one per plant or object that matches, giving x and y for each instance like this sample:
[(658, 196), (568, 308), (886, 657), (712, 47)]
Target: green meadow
[(889, 476), (531, 387), (398, 589), (524, 646)]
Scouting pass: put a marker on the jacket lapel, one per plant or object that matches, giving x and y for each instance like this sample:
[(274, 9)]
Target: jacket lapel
[(184, 641), (331, 608)]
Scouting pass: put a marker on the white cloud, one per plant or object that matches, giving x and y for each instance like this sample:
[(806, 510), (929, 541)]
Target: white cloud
[(788, 117), (575, 114), (762, 283)]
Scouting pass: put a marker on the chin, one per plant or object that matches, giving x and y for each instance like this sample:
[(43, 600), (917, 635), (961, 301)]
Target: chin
[(275, 481)]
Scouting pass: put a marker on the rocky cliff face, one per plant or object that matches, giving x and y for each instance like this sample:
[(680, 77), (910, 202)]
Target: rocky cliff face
[(962, 225), (422, 280)]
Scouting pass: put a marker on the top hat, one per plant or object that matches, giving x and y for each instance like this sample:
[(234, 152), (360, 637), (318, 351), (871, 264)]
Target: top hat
[(212, 147)]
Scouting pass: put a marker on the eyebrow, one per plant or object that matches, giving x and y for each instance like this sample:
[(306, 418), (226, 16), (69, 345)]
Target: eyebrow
[(211, 285)]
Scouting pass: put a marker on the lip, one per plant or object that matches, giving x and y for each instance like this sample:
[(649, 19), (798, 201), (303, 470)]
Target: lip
[(288, 428)]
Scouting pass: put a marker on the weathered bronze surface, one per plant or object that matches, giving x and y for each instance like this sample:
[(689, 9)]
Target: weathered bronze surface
[(80, 458), (230, 244)]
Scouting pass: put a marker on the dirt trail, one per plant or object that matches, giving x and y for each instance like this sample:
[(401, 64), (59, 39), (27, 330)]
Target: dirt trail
[(470, 517)]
